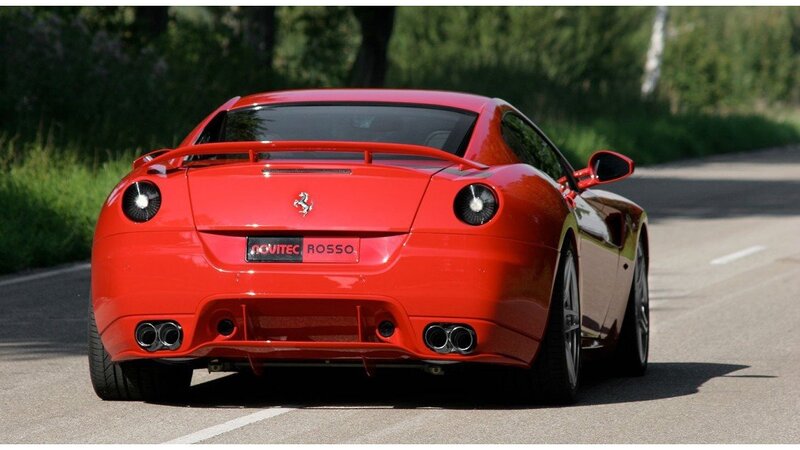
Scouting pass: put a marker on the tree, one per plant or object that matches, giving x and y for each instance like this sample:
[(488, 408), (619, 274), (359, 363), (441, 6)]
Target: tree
[(652, 68), (150, 22), (260, 31), (318, 45), (369, 68)]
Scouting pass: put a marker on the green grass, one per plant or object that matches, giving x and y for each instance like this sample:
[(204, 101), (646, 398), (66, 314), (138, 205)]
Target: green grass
[(51, 197), (656, 139), (50, 201)]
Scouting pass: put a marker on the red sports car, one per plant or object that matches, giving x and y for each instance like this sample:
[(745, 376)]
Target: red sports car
[(372, 227)]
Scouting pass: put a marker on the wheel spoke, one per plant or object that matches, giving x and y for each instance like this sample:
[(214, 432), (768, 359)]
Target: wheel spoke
[(571, 362), (570, 306), (641, 304), (643, 325)]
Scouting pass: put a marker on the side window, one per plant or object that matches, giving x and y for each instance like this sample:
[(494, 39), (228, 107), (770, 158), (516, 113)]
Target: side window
[(512, 134), (530, 147), (212, 131)]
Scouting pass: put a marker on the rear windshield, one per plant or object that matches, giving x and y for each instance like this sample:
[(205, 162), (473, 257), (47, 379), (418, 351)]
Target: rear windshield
[(444, 129)]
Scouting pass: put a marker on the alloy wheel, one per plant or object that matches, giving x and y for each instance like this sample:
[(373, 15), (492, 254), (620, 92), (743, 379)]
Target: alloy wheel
[(572, 325), (642, 305)]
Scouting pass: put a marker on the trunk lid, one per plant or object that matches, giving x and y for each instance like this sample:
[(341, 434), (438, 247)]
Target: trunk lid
[(309, 196)]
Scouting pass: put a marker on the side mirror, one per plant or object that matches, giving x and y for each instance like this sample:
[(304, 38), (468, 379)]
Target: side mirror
[(604, 167), (147, 157)]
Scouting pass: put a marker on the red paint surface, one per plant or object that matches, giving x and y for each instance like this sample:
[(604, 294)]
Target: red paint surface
[(417, 263)]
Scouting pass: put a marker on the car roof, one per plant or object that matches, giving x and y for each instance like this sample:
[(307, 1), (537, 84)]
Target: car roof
[(458, 100)]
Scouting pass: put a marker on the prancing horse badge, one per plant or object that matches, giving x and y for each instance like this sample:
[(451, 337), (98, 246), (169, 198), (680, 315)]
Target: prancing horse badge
[(303, 203)]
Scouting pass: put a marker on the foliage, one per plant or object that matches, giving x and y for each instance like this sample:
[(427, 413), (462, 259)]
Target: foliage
[(556, 59), (91, 83), (651, 140), (319, 44), (52, 199), (732, 58), (89, 89)]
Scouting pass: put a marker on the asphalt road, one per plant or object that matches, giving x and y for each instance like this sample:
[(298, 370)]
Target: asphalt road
[(725, 350)]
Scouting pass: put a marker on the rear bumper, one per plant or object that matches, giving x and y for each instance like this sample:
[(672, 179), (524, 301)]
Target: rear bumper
[(501, 288)]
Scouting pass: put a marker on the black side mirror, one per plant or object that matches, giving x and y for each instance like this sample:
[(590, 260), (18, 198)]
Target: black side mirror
[(604, 167)]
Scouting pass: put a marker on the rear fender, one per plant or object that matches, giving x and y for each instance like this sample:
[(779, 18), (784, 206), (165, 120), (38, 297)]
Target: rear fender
[(173, 215), (531, 208)]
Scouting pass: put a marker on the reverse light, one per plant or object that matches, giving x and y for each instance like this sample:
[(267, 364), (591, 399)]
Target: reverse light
[(475, 204), (141, 201)]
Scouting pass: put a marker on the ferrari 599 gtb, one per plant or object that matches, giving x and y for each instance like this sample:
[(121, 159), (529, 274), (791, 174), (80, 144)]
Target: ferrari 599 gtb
[(369, 227)]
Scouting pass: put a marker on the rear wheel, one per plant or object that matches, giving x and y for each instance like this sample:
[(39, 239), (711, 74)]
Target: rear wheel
[(555, 373), (634, 338), (133, 380)]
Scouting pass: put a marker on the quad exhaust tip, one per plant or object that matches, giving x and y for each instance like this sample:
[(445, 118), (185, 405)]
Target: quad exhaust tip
[(153, 336), (450, 338), (226, 327), (462, 339), (146, 335), (436, 338), (169, 335)]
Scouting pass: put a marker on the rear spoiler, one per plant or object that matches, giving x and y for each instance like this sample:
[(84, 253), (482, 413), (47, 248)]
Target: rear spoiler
[(253, 148)]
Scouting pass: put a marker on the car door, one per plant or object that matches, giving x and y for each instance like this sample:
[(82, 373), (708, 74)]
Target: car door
[(599, 261), (598, 258)]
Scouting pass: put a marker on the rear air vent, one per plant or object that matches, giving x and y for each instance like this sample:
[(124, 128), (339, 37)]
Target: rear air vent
[(270, 172)]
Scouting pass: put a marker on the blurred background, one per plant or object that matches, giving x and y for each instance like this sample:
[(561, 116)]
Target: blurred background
[(83, 90)]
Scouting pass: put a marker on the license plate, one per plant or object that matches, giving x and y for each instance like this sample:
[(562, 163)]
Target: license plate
[(294, 249)]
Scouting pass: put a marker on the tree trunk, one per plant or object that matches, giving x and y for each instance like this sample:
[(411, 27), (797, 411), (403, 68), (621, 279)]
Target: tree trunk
[(655, 54), (369, 68), (150, 22), (270, 31), (260, 31)]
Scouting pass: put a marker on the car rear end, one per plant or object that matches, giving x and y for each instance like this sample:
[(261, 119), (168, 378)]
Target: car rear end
[(266, 251)]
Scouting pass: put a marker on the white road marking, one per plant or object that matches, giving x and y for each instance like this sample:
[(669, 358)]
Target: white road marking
[(738, 255), (230, 425), (45, 274)]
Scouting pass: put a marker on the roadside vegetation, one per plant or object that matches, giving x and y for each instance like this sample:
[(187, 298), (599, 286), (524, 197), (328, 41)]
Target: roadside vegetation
[(50, 202), (83, 90)]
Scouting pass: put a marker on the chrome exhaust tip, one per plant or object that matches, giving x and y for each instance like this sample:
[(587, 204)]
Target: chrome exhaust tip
[(450, 338), (436, 338), (170, 334), (147, 336), (462, 339)]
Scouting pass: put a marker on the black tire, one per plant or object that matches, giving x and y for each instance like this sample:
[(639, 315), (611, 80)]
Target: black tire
[(634, 338), (133, 380), (551, 377)]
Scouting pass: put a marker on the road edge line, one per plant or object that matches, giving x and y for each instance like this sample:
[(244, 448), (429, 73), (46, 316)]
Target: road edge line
[(738, 255), (234, 424), (45, 274)]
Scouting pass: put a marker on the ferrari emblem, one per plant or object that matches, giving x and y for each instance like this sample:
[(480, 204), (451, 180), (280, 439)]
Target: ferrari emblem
[(303, 204)]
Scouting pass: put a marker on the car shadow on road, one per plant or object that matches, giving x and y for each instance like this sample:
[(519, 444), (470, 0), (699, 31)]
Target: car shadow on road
[(662, 380), (671, 198), (471, 388), (722, 186)]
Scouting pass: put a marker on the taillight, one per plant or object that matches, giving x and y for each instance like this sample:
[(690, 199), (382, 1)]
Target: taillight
[(475, 204), (141, 201)]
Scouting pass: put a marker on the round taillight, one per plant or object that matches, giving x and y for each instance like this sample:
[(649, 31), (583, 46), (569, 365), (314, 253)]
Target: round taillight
[(475, 204), (141, 201)]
